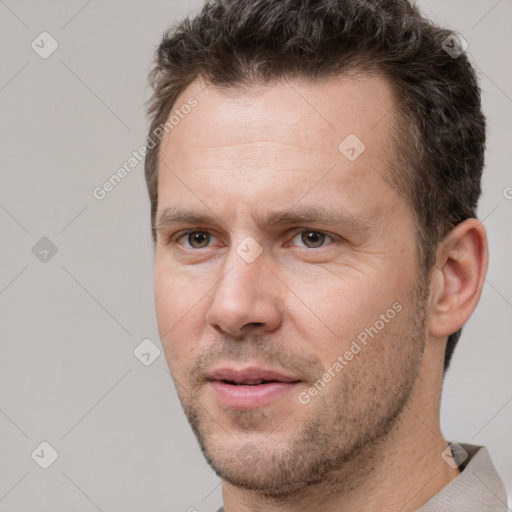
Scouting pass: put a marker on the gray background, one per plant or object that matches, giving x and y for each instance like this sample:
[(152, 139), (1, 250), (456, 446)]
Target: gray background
[(68, 375)]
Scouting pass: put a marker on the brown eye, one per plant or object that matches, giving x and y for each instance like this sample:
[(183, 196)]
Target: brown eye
[(198, 239), (313, 239)]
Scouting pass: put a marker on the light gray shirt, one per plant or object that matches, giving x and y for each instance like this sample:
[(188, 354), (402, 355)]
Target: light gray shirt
[(478, 488)]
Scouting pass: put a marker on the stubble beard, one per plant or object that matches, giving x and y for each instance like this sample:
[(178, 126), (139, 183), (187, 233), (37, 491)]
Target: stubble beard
[(345, 431)]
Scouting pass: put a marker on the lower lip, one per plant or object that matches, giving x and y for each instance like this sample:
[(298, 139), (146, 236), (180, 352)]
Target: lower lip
[(251, 397)]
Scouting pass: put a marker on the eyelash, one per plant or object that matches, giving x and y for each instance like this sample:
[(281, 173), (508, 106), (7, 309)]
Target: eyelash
[(186, 233)]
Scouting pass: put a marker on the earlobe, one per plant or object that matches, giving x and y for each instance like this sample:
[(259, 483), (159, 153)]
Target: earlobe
[(458, 278)]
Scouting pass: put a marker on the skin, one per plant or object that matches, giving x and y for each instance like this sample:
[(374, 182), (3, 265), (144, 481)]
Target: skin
[(371, 438)]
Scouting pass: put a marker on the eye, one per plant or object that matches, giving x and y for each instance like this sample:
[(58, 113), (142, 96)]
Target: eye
[(195, 239), (312, 239)]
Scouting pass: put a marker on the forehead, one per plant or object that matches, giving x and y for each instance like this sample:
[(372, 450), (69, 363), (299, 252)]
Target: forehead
[(272, 143), (306, 114)]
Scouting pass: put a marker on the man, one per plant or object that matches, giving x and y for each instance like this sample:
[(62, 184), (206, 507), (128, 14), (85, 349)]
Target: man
[(314, 169)]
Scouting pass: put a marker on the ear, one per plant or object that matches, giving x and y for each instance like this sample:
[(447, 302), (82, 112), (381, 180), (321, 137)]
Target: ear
[(458, 278)]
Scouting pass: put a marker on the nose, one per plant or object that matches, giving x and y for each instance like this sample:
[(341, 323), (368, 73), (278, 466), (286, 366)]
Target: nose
[(246, 299)]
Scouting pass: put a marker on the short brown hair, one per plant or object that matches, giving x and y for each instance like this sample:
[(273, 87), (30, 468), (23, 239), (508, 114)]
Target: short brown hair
[(441, 128)]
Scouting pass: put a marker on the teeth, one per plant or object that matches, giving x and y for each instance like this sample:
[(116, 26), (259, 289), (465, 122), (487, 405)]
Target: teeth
[(254, 382), (247, 382)]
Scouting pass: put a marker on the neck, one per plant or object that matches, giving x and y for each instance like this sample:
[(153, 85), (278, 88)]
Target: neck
[(401, 471)]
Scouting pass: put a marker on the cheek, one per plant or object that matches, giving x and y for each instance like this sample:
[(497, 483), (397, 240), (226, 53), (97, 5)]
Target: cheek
[(338, 300), (176, 294), (332, 311), (180, 311)]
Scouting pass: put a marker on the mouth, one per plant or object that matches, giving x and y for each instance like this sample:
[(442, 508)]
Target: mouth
[(249, 383), (250, 388)]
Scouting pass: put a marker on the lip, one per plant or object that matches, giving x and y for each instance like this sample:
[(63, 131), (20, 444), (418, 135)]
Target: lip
[(246, 396), (250, 373)]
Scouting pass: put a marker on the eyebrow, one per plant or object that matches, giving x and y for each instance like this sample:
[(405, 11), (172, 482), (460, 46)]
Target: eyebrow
[(299, 215)]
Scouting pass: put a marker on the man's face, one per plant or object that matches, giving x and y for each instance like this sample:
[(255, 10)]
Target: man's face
[(304, 257)]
